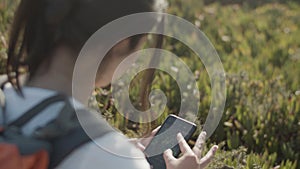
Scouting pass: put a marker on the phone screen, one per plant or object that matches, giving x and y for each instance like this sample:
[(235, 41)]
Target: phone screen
[(165, 138)]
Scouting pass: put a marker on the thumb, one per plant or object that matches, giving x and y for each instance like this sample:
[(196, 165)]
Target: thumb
[(168, 156)]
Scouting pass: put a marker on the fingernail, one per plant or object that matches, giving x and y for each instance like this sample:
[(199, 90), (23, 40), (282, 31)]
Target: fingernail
[(168, 150), (179, 136), (215, 148), (140, 145)]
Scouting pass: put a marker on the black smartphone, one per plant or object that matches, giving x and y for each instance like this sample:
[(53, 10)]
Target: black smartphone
[(165, 138)]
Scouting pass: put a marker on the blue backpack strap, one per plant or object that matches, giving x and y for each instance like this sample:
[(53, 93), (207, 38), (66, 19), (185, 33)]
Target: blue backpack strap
[(28, 115), (65, 133), (75, 138)]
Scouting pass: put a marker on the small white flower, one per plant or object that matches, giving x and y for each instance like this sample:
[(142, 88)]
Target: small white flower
[(175, 69), (198, 23), (226, 38), (161, 5)]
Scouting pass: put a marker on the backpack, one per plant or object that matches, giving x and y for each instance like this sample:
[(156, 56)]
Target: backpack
[(49, 145)]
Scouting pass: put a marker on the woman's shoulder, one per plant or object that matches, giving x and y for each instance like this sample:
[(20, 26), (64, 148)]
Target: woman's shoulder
[(110, 151), (17, 106)]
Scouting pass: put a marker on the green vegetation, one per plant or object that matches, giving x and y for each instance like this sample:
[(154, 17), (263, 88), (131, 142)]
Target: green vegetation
[(6, 14), (259, 46)]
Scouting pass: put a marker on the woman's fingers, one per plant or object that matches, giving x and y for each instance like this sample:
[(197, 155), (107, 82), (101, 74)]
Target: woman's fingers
[(155, 131), (208, 157), (140, 146), (145, 141), (198, 148), (137, 144), (184, 147), (191, 158), (168, 156)]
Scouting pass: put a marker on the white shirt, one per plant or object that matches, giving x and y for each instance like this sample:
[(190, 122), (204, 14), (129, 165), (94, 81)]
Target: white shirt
[(111, 151)]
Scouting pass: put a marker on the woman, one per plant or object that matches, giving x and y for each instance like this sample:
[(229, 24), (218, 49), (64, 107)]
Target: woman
[(46, 37)]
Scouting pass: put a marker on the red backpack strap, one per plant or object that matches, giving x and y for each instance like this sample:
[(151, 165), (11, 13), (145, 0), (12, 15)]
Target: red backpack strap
[(11, 158)]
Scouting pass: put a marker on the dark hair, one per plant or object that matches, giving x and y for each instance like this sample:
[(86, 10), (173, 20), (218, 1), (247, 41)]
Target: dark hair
[(41, 25)]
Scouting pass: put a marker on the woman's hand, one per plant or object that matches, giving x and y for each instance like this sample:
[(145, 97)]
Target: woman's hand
[(191, 158), (142, 143)]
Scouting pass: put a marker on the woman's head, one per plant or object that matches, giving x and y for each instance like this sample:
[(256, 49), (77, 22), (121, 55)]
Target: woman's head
[(40, 26)]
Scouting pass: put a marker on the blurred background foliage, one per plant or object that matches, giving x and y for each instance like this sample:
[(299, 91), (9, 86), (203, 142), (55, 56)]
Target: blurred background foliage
[(258, 42)]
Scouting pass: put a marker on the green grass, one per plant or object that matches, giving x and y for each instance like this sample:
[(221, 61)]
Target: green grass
[(6, 13), (260, 51), (259, 46)]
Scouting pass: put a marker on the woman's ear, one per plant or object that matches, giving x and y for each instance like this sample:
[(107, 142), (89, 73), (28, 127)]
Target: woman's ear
[(121, 49), (114, 57), (137, 41), (128, 45)]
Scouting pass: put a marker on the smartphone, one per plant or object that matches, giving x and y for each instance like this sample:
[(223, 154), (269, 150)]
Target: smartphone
[(165, 138)]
